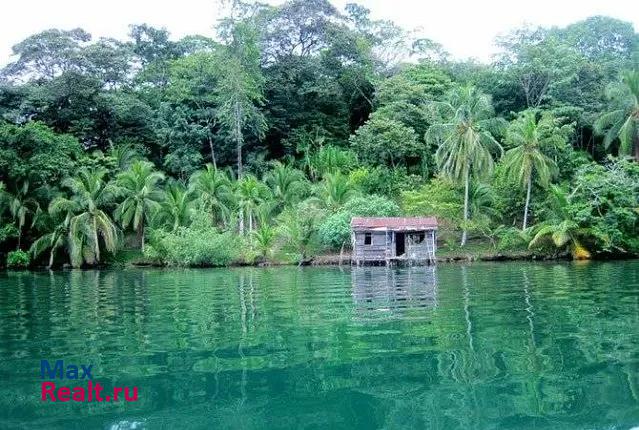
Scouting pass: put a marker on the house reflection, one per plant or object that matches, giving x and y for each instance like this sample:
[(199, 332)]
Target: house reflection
[(384, 291)]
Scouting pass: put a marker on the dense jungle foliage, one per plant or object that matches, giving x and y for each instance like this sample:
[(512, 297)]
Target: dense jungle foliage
[(261, 144)]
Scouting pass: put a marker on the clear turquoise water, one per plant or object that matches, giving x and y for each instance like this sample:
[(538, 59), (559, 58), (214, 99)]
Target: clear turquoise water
[(485, 346)]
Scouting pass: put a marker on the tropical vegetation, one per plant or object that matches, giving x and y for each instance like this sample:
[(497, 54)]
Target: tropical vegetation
[(259, 145)]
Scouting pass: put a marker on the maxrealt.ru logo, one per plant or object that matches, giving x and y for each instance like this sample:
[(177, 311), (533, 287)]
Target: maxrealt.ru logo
[(93, 392)]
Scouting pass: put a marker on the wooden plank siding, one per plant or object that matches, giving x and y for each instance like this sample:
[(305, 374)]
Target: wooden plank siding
[(376, 251), (382, 246)]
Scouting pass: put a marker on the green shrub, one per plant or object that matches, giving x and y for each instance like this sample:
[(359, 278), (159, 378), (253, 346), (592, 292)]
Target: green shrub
[(8, 231), (18, 260), (605, 201), (336, 229), (193, 247), (511, 238)]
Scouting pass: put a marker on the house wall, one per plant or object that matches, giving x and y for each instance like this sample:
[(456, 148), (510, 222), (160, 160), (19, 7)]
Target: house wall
[(378, 250), (382, 246), (420, 251)]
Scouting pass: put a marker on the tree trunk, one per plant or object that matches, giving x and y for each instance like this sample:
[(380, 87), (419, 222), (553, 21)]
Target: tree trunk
[(637, 150), (238, 138), (364, 95), (529, 187), (51, 256), (142, 238), (239, 159), (241, 222), (466, 191), (19, 237), (95, 237)]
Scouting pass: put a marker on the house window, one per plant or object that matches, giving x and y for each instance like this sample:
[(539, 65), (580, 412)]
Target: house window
[(368, 239)]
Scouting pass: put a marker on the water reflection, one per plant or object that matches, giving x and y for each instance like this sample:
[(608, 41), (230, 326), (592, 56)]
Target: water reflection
[(514, 346), (386, 292)]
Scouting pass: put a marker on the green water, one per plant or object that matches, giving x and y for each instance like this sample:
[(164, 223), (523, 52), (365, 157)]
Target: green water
[(485, 346)]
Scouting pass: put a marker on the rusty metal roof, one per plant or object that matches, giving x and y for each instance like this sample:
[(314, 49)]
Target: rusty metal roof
[(394, 223)]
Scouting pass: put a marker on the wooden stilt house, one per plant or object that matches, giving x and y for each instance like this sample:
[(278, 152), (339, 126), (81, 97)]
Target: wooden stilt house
[(392, 240)]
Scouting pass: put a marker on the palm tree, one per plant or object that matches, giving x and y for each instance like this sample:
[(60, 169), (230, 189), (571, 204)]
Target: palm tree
[(297, 231), (140, 187), (123, 156), (21, 205), (330, 159), (562, 230), (287, 184), (213, 188), (89, 223), (526, 159), (250, 195), (58, 236), (482, 201), (176, 207), (460, 130), (264, 237), (623, 121), (335, 189)]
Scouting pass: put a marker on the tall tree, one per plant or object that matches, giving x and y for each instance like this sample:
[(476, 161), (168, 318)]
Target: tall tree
[(192, 82), (526, 160), (460, 130), (140, 187), (622, 122), (297, 28), (239, 92), (154, 50), (48, 54)]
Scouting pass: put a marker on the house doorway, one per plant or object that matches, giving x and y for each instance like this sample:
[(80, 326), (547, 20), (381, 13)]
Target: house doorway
[(400, 245)]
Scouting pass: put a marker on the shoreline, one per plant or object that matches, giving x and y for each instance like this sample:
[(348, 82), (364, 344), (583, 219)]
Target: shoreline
[(345, 260)]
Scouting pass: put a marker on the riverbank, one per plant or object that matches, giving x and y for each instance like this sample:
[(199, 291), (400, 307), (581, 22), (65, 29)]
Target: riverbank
[(481, 251), (445, 254)]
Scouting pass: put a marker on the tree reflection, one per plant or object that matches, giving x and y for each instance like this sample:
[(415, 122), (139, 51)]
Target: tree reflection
[(474, 346)]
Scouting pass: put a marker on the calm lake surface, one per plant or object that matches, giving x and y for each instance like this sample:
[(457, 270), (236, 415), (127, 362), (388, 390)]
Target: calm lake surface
[(483, 346)]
